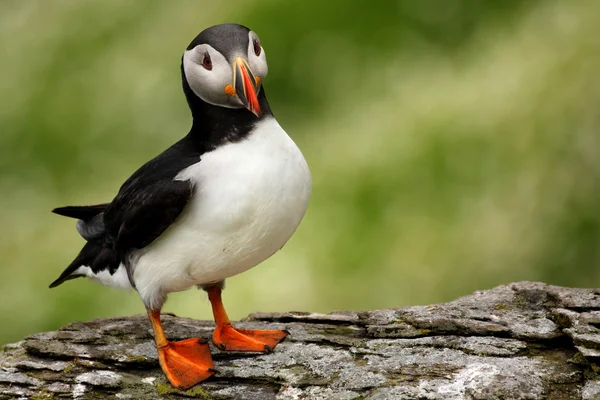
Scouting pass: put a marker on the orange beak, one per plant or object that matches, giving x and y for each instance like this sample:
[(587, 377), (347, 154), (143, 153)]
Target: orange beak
[(246, 85)]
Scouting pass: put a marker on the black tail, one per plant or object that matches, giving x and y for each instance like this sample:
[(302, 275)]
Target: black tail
[(85, 256), (81, 212), (91, 227), (66, 275)]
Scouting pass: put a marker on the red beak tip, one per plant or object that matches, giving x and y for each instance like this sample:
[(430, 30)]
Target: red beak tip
[(250, 93)]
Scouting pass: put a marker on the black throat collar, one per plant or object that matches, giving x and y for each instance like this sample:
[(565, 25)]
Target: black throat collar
[(213, 125)]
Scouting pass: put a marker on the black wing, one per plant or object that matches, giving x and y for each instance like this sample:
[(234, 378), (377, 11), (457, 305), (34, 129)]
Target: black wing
[(146, 205), (135, 220), (132, 221), (138, 217)]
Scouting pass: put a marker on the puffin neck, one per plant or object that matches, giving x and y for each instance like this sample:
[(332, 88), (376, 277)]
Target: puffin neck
[(213, 125)]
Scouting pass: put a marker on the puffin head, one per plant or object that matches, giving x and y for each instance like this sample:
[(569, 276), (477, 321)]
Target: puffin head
[(224, 66)]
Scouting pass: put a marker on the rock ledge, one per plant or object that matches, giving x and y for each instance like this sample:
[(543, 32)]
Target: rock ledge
[(526, 340)]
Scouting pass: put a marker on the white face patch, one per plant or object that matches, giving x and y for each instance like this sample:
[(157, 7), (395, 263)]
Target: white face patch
[(210, 84)]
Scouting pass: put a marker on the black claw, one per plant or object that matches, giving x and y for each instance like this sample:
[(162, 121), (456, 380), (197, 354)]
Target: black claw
[(202, 341), (214, 371), (286, 332), (181, 387), (221, 346), (268, 349)]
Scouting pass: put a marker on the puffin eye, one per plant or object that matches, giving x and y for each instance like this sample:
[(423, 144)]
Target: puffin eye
[(257, 47), (206, 61)]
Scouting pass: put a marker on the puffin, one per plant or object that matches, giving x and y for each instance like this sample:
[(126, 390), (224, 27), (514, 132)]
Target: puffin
[(218, 202)]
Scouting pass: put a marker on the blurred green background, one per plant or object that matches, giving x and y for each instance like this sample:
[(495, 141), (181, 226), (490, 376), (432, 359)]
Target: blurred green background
[(454, 145)]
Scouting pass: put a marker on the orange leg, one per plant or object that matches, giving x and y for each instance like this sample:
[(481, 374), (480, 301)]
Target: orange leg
[(185, 363), (226, 337)]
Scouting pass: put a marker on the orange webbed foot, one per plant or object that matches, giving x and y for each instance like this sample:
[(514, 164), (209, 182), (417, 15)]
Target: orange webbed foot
[(226, 337), (187, 362)]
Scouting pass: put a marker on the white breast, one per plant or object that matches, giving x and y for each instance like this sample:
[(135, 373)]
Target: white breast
[(249, 198)]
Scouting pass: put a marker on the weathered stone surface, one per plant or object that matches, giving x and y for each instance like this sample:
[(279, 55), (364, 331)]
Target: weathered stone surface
[(521, 341)]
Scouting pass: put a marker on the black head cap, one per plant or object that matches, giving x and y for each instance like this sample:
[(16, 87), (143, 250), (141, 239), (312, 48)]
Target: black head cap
[(227, 39)]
